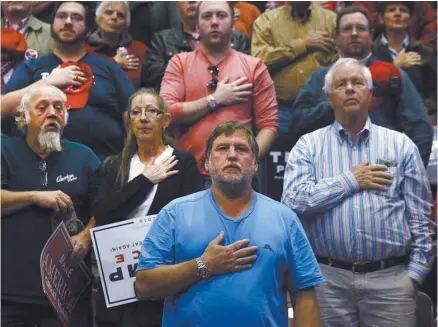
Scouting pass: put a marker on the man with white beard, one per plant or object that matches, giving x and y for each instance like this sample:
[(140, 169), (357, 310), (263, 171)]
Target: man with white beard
[(41, 175)]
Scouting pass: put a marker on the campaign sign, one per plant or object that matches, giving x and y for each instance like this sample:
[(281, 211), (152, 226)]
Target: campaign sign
[(117, 247), (63, 281), (275, 166)]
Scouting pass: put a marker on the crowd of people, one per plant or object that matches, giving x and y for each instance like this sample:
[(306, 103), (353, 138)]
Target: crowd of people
[(117, 110)]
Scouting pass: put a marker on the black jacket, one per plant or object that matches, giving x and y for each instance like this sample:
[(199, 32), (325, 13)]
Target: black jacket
[(112, 205), (423, 76), (167, 43)]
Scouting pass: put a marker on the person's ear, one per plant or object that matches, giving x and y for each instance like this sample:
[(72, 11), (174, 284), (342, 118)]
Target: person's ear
[(167, 117), (206, 166)]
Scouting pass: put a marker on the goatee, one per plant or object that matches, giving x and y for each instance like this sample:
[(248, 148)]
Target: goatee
[(50, 142)]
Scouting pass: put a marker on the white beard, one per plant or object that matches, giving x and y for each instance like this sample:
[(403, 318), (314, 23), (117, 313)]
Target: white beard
[(50, 141)]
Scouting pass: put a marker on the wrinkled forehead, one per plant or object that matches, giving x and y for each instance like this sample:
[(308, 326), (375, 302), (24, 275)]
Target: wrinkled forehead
[(49, 95), (233, 137), (144, 100), (116, 6), (348, 72)]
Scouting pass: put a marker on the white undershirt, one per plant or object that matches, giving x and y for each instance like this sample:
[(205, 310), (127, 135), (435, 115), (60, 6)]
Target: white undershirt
[(136, 169)]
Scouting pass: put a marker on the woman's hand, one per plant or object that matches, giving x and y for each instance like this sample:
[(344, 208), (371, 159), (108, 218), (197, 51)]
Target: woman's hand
[(127, 62), (407, 59), (160, 171)]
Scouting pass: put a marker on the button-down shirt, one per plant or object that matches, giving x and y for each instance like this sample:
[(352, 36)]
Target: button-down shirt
[(279, 40), (392, 51), (347, 223)]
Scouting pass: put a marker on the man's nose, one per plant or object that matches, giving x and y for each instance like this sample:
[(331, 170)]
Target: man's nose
[(231, 152), (68, 19), (214, 19), (51, 111), (354, 31), (349, 87)]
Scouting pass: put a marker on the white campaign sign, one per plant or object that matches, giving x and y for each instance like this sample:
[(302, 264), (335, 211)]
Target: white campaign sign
[(117, 247)]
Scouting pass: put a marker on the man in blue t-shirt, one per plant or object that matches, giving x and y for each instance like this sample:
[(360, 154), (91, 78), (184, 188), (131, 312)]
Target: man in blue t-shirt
[(98, 120), (228, 256), (41, 175)]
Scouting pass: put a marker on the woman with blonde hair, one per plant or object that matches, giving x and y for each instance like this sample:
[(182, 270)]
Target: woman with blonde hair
[(140, 181)]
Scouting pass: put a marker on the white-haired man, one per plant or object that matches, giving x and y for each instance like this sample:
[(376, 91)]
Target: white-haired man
[(363, 196), (41, 174)]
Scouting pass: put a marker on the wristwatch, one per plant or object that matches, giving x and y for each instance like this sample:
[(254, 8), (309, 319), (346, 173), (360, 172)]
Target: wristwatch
[(203, 271), (211, 103)]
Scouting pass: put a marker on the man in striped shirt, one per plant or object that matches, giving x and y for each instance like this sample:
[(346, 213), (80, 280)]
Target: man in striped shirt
[(362, 194)]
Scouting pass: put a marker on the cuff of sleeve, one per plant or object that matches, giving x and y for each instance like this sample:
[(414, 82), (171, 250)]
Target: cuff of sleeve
[(176, 110), (417, 272), (298, 46), (350, 183)]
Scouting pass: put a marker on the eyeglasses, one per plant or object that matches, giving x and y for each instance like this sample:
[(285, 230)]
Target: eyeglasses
[(212, 84), (149, 112), (43, 167), (76, 18)]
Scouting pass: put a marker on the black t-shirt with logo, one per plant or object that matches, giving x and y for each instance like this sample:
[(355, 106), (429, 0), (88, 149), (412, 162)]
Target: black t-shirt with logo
[(24, 233)]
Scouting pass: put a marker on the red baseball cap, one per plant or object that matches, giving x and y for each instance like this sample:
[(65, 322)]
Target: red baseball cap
[(77, 97), (13, 42), (387, 79)]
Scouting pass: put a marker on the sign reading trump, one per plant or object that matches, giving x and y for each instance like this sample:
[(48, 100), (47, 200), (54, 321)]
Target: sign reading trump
[(117, 247)]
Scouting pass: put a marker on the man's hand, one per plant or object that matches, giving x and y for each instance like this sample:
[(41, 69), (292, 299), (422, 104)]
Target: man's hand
[(67, 76), (372, 177), (56, 200), (126, 62), (224, 259), (81, 243), (159, 172), (228, 94), (407, 59), (319, 41)]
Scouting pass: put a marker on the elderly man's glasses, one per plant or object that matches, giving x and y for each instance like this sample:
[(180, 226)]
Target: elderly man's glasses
[(149, 112), (214, 71), (76, 18)]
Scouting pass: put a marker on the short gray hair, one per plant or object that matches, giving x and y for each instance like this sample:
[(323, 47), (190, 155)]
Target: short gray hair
[(328, 80), (102, 5), (24, 106)]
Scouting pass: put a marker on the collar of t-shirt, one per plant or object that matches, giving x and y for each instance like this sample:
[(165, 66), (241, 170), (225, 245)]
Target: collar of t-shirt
[(243, 216), (404, 44), (136, 169)]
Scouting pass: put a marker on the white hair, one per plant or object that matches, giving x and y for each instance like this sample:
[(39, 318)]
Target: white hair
[(25, 103), (349, 62), (102, 5)]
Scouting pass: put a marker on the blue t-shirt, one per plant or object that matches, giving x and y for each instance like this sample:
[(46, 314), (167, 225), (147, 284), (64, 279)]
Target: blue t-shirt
[(24, 233), (98, 125), (254, 297)]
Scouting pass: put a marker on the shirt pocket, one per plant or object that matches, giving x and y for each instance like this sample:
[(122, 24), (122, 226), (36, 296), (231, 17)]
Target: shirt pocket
[(393, 191)]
